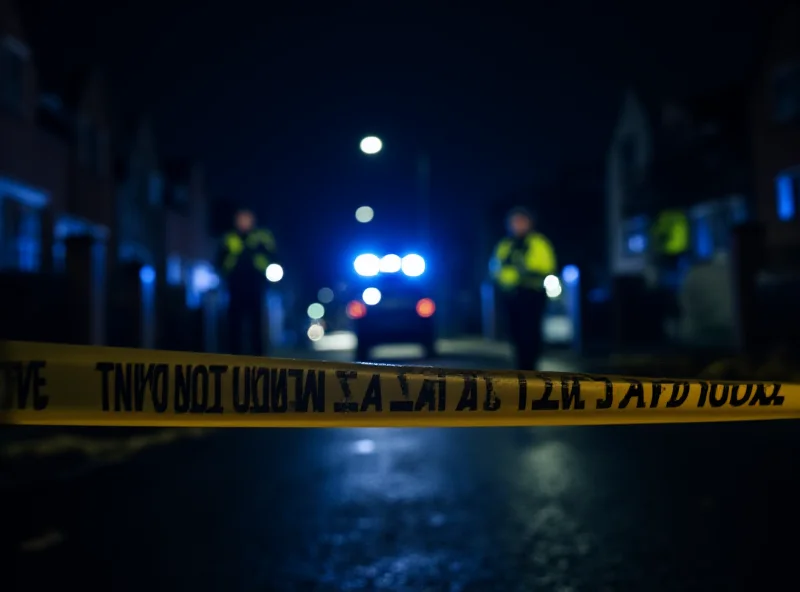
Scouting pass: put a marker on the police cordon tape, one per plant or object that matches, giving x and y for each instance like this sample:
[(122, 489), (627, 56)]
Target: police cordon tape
[(47, 384)]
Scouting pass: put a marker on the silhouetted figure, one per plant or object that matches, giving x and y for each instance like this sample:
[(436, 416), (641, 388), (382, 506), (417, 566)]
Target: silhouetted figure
[(520, 264), (246, 252)]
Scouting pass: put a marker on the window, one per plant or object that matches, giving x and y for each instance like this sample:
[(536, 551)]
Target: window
[(786, 190), (635, 235), (637, 243), (704, 238), (786, 93), (21, 236), (29, 241), (737, 207), (155, 190), (11, 222), (59, 256), (174, 270), (12, 77)]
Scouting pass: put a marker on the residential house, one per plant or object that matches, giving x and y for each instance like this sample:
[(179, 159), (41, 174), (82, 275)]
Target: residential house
[(140, 241), (189, 246), (729, 159), (691, 155), (122, 242), (776, 132), (77, 112), (629, 155), (190, 254), (56, 197), (772, 257), (164, 248), (694, 156), (33, 164)]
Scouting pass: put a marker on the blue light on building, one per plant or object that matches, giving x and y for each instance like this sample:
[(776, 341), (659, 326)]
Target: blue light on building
[(784, 194), (637, 243), (704, 239), (570, 274), (147, 274)]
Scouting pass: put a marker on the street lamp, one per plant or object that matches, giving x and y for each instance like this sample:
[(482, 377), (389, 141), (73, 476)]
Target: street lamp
[(371, 145), (364, 214)]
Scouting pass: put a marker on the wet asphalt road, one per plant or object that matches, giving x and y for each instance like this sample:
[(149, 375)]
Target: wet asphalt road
[(693, 507)]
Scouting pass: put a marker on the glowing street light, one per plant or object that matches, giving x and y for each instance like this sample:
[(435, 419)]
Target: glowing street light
[(371, 145), (365, 214)]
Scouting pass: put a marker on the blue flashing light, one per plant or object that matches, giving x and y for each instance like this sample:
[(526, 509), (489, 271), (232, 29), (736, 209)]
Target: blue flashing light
[(413, 265), (391, 264), (367, 265)]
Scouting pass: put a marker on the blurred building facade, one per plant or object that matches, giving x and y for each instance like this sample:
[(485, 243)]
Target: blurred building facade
[(691, 156), (190, 251), (87, 237), (769, 279), (57, 195), (140, 239), (775, 129), (728, 161)]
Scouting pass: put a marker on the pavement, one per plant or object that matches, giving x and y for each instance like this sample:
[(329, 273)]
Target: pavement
[(682, 507)]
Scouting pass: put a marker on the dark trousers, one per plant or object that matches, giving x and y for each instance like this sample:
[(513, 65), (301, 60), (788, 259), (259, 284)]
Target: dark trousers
[(525, 309), (245, 320)]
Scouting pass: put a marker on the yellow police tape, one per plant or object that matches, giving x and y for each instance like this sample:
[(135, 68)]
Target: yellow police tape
[(49, 384)]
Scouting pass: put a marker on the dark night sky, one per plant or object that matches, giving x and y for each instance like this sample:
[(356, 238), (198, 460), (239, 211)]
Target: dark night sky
[(273, 99)]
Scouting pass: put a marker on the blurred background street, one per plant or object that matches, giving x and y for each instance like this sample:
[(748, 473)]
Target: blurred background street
[(567, 187)]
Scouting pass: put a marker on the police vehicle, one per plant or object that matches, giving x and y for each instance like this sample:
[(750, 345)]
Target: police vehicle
[(393, 305)]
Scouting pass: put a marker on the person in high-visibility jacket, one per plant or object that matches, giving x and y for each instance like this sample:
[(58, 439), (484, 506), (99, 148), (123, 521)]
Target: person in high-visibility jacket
[(670, 234), (669, 247), (520, 264), (669, 254), (245, 253)]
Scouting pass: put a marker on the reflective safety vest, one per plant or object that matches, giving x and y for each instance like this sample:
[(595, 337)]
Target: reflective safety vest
[(523, 264), (259, 243), (670, 233)]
